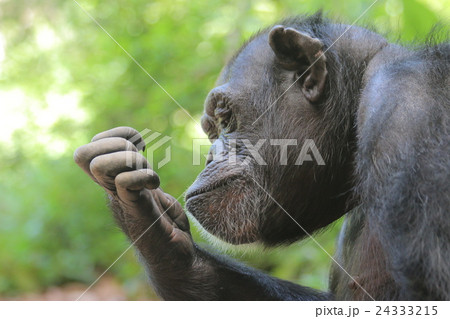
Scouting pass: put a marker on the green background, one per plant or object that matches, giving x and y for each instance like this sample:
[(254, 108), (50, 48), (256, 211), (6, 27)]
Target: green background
[(62, 80)]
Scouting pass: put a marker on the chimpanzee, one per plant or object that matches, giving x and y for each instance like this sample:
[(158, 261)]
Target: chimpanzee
[(378, 113)]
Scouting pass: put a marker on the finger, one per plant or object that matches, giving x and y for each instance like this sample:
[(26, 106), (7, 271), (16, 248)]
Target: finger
[(125, 132), (86, 153), (129, 184), (175, 212), (106, 167), (144, 206), (158, 228)]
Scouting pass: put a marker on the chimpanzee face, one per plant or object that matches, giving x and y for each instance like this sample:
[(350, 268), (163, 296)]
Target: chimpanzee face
[(259, 117)]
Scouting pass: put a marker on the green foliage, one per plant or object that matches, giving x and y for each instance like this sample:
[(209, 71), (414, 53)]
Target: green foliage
[(62, 80)]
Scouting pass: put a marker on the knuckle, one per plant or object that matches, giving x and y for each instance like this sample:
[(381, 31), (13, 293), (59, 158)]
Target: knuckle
[(130, 130), (109, 143), (97, 166), (80, 156), (97, 136), (139, 160), (130, 146), (121, 180)]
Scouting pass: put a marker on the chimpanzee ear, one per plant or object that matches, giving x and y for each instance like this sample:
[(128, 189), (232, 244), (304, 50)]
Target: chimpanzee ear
[(299, 52)]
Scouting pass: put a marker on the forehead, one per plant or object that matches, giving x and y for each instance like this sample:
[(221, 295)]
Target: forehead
[(250, 66)]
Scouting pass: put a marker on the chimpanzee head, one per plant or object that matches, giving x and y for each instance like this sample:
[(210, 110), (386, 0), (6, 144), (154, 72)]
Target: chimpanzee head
[(281, 160)]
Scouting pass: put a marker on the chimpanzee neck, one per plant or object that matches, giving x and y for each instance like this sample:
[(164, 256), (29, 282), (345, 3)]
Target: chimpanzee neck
[(358, 53), (362, 50), (349, 51), (386, 55), (357, 43), (354, 55), (356, 48)]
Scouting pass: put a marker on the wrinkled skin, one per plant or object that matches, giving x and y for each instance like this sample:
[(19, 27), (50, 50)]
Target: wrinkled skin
[(280, 86)]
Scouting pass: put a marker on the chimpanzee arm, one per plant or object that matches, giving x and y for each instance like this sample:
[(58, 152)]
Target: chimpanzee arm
[(239, 282), (157, 226), (197, 274)]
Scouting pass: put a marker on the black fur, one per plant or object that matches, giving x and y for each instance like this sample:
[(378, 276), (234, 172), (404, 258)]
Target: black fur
[(383, 129)]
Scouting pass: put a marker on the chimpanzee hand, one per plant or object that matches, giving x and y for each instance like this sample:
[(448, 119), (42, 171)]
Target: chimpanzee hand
[(152, 219), (159, 229)]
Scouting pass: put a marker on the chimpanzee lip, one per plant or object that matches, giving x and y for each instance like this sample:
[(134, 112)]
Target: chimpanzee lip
[(210, 187)]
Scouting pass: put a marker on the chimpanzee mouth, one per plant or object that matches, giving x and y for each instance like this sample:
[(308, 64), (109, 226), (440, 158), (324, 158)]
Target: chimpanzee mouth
[(195, 191)]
